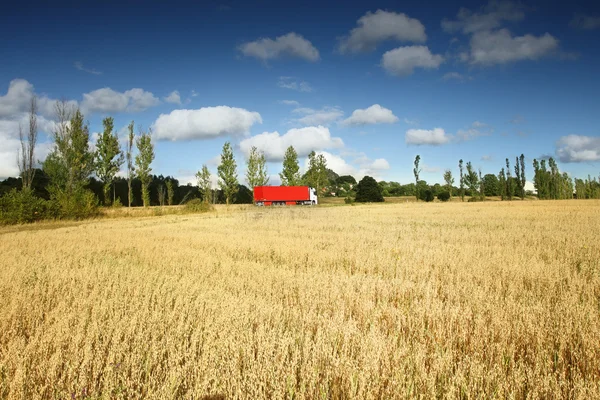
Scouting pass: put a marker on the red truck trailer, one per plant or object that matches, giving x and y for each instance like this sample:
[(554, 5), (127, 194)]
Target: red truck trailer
[(284, 195)]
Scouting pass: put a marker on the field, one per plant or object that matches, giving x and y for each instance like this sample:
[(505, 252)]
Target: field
[(457, 300)]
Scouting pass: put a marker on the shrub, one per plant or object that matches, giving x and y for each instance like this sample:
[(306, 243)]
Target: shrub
[(80, 204), (117, 203), (349, 200), (368, 190), (444, 196), (19, 207), (198, 206), (426, 195)]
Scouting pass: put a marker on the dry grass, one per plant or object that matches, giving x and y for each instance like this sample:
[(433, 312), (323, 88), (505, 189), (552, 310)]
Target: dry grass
[(494, 300)]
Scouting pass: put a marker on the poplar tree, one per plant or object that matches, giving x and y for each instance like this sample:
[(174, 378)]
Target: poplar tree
[(471, 179), (109, 157), (26, 155), (143, 160), (256, 172), (227, 172), (509, 181), (130, 166), (170, 193), (290, 175), (204, 183), (416, 172), (502, 183), (449, 181), (523, 180), (462, 180)]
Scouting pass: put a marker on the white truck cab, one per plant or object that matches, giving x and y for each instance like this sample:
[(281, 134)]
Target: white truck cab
[(313, 196)]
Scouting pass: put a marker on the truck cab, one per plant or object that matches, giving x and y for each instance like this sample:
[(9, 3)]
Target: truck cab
[(313, 196)]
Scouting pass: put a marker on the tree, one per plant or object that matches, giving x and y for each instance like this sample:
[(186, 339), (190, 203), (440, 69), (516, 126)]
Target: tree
[(491, 185), (143, 160), (462, 180), (26, 156), (130, 169), (417, 171), (109, 157), (368, 190), (523, 180), (346, 179), (170, 192), (290, 175), (256, 173), (481, 186), (70, 164), (471, 179), (204, 183), (502, 183), (227, 172), (316, 175), (449, 181), (509, 182)]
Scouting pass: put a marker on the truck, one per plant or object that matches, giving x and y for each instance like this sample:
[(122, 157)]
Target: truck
[(285, 196)]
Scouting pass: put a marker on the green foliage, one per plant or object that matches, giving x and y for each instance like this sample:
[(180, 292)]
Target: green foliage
[(346, 179), (368, 190), (290, 175), (78, 205), (143, 160), (443, 196), (22, 206), (256, 172), (198, 206), (551, 184), (316, 175), (227, 172), (471, 179), (170, 192), (462, 180), (417, 171), (491, 185), (426, 194), (109, 157), (449, 179), (117, 203), (348, 200), (130, 166), (204, 183)]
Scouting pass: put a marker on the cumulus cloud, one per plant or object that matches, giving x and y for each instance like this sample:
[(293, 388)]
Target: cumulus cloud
[(358, 168), (585, 22), (79, 66), (578, 148), (376, 27), (18, 97), (500, 47), (432, 137), (107, 100), (173, 97), (488, 17), (403, 60), (380, 164), (375, 114), (291, 45), (288, 82), (304, 141), (324, 116), (204, 123)]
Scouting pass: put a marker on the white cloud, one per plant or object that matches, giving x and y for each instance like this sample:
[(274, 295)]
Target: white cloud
[(403, 60), (578, 148), (454, 76), (433, 137), (380, 164), (476, 130), (411, 121), (290, 102), (374, 28), (585, 22), (107, 100), (324, 116), (489, 17), (173, 97), (288, 82), (292, 45), (500, 47), (203, 123), (79, 66), (372, 115), (304, 141)]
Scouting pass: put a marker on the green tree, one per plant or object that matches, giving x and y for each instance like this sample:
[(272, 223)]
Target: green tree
[(523, 180), (227, 172), (449, 179), (502, 183), (170, 192), (204, 183), (491, 184), (26, 155), (290, 175), (130, 166), (368, 190), (109, 157), (70, 164), (143, 160), (256, 172), (509, 182), (471, 179), (481, 186), (416, 172), (316, 175), (462, 180)]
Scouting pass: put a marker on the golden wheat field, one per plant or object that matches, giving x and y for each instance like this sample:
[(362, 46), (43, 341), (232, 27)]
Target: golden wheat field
[(458, 300)]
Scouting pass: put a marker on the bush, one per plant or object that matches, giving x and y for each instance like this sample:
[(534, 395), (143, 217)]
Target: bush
[(368, 190), (426, 195), (20, 207), (80, 204), (349, 200), (117, 203), (198, 206), (444, 196)]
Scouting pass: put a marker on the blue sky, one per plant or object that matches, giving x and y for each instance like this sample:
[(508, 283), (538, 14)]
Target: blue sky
[(370, 84)]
